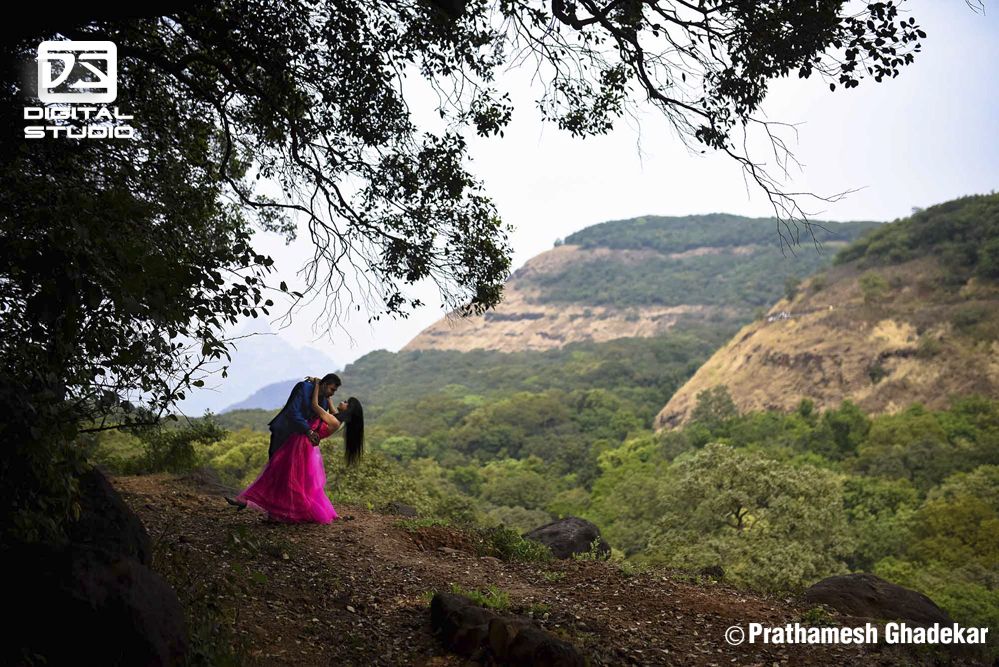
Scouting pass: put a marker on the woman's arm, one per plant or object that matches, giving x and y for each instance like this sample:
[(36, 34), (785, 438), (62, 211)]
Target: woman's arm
[(330, 420)]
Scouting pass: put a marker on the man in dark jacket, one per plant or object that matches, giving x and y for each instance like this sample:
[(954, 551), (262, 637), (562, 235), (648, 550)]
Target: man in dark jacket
[(297, 412)]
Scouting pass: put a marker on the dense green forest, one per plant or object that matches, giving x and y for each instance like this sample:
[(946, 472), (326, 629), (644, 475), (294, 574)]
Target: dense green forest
[(777, 500), (963, 233), (669, 234), (755, 278), (642, 372)]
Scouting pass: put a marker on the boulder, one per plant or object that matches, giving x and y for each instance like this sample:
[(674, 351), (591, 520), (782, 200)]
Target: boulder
[(106, 522), (402, 509), (569, 536), (475, 632), (85, 606), (868, 596), (92, 600)]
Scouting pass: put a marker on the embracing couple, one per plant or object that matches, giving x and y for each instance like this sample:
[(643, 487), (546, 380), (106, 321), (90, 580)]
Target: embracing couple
[(292, 486)]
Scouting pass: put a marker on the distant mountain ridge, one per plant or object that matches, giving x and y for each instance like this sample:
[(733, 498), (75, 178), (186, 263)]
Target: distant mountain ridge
[(640, 278), (909, 313), (260, 357), (269, 396)]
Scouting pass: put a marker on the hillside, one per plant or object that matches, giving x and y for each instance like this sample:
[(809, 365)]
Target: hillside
[(642, 370), (356, 592), (640, 278), (908, 314), (271, 395)]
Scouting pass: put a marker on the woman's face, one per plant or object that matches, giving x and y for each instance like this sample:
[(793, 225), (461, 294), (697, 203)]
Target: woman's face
[(342, 406)]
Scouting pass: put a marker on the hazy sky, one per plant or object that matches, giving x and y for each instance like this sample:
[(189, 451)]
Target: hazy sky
[(923, 138)]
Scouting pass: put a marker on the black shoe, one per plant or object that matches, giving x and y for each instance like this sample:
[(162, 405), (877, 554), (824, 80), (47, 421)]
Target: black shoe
[(239, 505)]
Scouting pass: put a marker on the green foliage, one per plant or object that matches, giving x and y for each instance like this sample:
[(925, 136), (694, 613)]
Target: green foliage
[(507, 544), (818, 616), (922, 447), (174, 449), (968, 601), (238, 458), (525, 483), (880, 512), (627, 498), (593, 553), (679, 234), (116, 451), (873, 287), (491, 597), (876, 372), (770, 525), (963, 234), (967, 318), (714, 409), (664, 278), (818, 282), (639, 371), (161, 448), (958, 523), (791, 287)]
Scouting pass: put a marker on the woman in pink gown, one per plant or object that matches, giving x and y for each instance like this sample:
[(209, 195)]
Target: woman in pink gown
[(292, 486)]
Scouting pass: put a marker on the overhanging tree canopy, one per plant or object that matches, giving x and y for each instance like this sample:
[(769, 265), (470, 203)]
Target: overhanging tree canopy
[(114, 251)]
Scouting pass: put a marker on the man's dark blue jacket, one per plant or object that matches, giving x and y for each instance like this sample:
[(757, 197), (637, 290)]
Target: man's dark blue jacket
[(294, 416)]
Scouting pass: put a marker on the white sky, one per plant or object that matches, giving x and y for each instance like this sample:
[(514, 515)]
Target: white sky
[(928, 136)]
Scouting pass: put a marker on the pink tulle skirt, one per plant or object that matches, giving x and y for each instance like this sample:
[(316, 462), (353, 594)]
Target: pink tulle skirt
[(292, 486)]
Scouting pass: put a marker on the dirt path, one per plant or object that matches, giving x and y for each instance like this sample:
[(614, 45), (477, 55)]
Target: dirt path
[(357, 592)]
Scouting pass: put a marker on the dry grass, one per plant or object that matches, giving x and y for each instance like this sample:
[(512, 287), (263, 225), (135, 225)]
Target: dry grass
[(836, 345)]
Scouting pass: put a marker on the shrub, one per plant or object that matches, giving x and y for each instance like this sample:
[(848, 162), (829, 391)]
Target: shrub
[(966, 317), (791, 285), (876, 372), (928, 347), (507, 544), (492, 597), (873, 286)]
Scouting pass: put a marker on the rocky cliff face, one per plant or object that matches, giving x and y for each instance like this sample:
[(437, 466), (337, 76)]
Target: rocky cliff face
[(523, 322), (639, 278), (882, 337)]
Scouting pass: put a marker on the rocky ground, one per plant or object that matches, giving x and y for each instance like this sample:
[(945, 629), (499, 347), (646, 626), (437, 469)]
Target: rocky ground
[(357, 592)]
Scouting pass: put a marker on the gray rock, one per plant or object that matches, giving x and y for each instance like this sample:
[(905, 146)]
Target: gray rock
[(402, 509), (92, 600), (569, 536), (868, 596), (480, 634), (86, 606), (106, 522)]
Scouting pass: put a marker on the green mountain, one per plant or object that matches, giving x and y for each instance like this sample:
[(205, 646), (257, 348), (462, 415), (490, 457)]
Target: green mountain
[(909, 313), (641, 277)]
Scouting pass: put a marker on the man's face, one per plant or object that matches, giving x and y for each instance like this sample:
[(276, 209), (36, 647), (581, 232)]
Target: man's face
[(327, 390)]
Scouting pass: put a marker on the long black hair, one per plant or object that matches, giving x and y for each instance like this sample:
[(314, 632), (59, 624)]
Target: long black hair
[(354, 435)]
